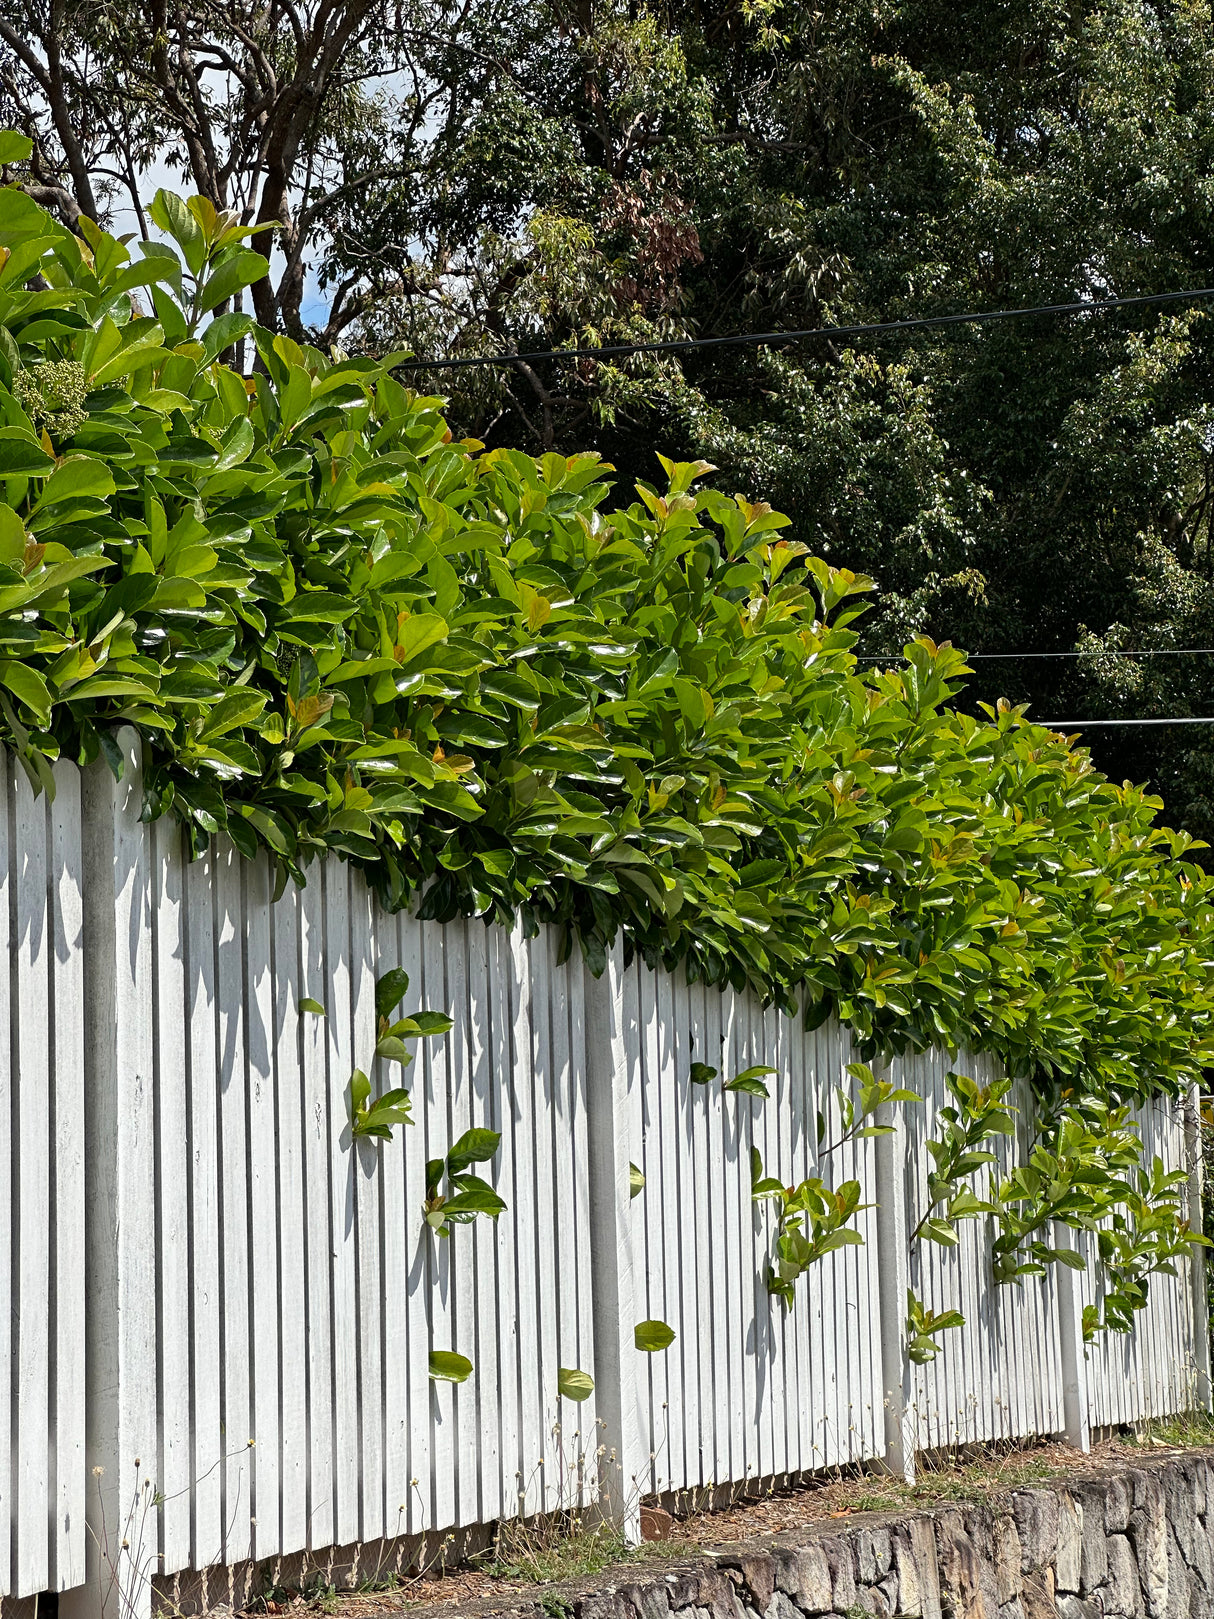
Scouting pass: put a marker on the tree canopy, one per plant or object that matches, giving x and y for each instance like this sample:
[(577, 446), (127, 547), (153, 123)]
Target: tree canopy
[(507, 176)]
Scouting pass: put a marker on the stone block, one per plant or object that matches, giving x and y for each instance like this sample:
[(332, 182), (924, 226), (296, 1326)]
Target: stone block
[(889, 1590), (1177, 1604), (909, 1600), (1006, 1555), (1068, 1560), (922, 1536), (1036, 1515), (873, 1600), (873, 1555), (1181, 1507), (1037, 1597), (803, 1574), (1118, 1504), (839, 1559), (1122, 1592), (1073, 1607), (1201, 1561), (959, 1566), (647, 1599), (1093, 1564), (758, 1571), (1148, 1533), (781, 1608)]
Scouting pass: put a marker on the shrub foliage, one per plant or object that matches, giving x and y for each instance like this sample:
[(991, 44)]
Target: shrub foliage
[(337, 629)]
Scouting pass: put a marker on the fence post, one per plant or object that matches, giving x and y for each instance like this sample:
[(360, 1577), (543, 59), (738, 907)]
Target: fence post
[(120, 1201), (612, 1046), (1201, 1307), (893, 1281), (1076, 1399)]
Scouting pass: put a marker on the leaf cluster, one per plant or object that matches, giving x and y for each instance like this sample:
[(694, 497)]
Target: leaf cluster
[(464, 1195), (376, 1117), (811, 1222)]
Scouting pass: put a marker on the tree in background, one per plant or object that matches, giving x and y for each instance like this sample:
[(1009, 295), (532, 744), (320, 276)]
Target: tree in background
[(510, 176), (272, 109)]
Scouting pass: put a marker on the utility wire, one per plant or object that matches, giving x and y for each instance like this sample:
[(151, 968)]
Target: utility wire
[(683, 344), (1083, 725), (973, 657)]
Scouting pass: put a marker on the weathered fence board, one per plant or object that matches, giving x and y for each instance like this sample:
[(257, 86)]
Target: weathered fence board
[(999, 1376), (1153, 1371), (42, 1461)]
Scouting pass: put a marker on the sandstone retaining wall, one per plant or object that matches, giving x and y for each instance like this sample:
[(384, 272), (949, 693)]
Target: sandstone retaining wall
[(1133, 1542)]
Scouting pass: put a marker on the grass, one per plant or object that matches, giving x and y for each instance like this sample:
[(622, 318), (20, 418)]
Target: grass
[(322, 1597), (387, 1581), (1197, 1428), (544, 1550)]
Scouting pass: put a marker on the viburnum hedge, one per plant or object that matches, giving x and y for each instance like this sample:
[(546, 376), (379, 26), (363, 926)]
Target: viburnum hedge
[(336, 629)]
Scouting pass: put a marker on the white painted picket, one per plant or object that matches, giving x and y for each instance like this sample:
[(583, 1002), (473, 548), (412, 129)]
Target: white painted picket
[(1000, 1375), (262, 1294), (749, 1389), (300, 1291), (1157, 1369), (42, 1460)]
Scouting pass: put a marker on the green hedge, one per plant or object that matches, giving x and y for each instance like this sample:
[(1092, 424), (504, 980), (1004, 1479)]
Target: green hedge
[(336, 629)]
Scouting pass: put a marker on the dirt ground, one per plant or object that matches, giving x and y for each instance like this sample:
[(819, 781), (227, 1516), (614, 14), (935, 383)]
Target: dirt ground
[(528, 1555)]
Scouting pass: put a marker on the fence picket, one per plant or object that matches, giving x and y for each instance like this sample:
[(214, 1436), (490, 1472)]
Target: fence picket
[(172, 1183), (32, 1192), (266, 1301), (366, 1164), (201, 999), (290, 1125)]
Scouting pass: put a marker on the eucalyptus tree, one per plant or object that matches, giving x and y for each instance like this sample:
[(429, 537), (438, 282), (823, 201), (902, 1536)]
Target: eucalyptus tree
[(274, 110)]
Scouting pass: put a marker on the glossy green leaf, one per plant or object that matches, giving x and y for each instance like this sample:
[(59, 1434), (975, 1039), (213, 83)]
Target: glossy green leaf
[(652, 1336), (572, 1384), (448, 1367)]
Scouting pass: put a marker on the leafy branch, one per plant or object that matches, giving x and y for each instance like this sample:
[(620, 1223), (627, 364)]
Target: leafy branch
[(977, 1114), (454, 1196), (392, 1107), (811, 1222), (980, 1115), (873, 1094), (1086, 1172)]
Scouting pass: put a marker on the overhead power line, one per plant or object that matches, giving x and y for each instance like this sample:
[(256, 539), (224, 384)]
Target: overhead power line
[(1083, 725), (974, 657), (682, 345)]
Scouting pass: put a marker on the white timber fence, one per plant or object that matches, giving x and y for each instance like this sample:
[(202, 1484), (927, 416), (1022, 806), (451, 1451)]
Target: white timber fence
[(222, 1307)]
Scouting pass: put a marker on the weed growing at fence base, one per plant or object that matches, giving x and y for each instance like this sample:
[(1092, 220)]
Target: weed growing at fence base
[(1190, 1429), (555, 1547)]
